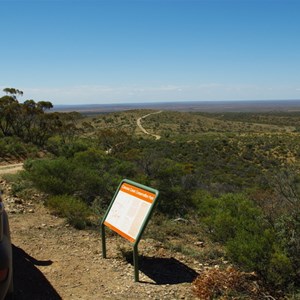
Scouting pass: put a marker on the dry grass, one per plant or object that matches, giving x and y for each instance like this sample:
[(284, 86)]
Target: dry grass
[(226, 284)]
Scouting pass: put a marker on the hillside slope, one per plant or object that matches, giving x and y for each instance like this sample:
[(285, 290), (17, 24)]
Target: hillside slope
[(55, 261)]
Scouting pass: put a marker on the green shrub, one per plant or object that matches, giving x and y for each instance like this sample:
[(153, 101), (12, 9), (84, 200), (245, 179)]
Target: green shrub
[(70, 149), (51, 176), (288, 233), (280, 269), (63, 176), (74, 210), (58, 147), (227, 215), (13, 147), (91, 158), (252, 251), (235, 221), (88, 175)]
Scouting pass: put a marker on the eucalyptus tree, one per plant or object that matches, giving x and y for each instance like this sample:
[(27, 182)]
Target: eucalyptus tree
[(9, 109), (26, 120), (13, 92), (35, 121), (44, 105)]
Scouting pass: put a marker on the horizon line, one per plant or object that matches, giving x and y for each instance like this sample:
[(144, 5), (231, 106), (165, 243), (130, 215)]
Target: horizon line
[(176, 101)]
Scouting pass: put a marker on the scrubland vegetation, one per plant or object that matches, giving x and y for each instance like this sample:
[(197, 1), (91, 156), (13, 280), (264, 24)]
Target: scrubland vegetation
[(233, 178)]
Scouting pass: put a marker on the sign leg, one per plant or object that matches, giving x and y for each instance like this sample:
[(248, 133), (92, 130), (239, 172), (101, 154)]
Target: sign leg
[(103, 241), (136, 263)]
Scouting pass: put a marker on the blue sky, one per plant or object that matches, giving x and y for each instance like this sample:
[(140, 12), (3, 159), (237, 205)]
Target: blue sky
[(93, 51)]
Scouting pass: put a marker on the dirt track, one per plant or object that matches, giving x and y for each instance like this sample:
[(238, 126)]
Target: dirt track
[(10, 168), (139, 124), (54, 261)]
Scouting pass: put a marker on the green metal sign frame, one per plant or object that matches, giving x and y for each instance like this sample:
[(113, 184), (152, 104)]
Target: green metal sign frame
[(140, 188)]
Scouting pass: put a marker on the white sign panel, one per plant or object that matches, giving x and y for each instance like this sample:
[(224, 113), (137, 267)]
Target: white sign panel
[(129, 211)]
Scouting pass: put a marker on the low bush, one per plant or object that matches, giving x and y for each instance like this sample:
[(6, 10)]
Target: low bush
[(63, 176), (51, 176), (12, 148), (227, 215), (87, 175), (74, 210), (59, 147), (249, 241)]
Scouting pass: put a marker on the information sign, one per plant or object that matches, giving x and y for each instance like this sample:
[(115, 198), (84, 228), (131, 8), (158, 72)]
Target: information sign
[(129, 213)]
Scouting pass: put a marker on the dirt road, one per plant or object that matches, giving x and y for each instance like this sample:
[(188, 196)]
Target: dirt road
[(139, 120), (54, 261), (10, 168)]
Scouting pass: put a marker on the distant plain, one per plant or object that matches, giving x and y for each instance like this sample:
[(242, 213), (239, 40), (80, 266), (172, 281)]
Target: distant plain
[(189, 106)]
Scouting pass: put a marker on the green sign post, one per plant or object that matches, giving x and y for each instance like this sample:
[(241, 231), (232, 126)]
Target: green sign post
[(128, 214)]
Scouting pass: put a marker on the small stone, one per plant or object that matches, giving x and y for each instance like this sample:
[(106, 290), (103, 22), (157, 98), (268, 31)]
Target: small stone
[(199, 244)]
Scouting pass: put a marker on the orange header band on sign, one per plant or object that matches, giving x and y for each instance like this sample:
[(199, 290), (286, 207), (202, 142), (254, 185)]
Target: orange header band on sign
[(137, 192), (123, 234)]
